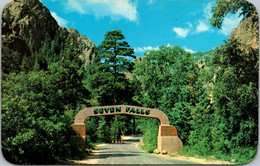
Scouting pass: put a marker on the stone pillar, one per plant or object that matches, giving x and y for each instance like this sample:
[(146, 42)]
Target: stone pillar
[(78, 135), (168, 139)]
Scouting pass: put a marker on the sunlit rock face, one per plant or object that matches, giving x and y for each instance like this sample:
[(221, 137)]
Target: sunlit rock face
[(26, 24), (247, 32)]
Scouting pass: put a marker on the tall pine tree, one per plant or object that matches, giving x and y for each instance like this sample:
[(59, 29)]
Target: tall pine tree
[(112, 61)]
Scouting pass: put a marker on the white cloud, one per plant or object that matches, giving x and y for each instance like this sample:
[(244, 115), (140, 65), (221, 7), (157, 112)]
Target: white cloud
[(204, 24), (190, 25), (143, 49), (188, 50), (115, 9), (207, 10), (61, 21), (151, 1), (181, 32), (202, 27), (230, 22), (75, 6)]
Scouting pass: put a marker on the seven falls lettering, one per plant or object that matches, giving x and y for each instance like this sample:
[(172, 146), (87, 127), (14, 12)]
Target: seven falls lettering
[(131, 110)]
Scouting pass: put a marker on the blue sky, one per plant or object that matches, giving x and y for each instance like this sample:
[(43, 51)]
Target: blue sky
[(146, 24)]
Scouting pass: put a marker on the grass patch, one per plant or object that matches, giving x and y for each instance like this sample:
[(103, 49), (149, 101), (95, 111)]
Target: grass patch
[(237, 156), (148, 147)]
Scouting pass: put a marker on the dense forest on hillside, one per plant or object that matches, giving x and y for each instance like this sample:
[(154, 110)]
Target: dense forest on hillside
[(213, 103)]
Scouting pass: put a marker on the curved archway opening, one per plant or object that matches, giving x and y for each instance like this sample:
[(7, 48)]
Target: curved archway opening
[(167, 139)]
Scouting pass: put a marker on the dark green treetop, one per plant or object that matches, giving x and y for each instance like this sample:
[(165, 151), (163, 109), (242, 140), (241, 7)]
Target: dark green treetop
[(111, 64), (112, 52), (223, 7)]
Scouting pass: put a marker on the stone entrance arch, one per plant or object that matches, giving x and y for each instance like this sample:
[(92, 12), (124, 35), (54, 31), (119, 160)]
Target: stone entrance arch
[(167, 134)]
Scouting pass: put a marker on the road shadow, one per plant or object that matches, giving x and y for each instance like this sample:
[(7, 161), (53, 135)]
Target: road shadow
[(107, 155), (125, 142), (116, 152), (131, 141)]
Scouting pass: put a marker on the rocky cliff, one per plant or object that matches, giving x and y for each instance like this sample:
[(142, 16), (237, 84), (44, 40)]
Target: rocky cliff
[(26, 24), (247, 31)]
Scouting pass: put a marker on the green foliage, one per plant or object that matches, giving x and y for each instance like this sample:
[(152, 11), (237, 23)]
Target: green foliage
[(108, 82), (103, 130), (11, 59), (166, 78), (202, 55), (214, 108), (225, 117), (38, 105), (223, 7), (116, 127), (149, 128), (35, 128), (236, 94), (107, 129)]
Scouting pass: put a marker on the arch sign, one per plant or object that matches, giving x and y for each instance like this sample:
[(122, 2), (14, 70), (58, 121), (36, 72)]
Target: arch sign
[(167, 134)]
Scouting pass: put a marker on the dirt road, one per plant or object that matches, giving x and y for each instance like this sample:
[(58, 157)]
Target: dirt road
[(127, 152)]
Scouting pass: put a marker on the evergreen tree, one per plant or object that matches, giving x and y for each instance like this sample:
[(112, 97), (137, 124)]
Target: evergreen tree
[(11, 60), (108, 84), (111, 63)]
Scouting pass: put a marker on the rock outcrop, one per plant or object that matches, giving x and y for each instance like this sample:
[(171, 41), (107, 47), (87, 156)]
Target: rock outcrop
[(86, 46), (27, 23), (247, 31)]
